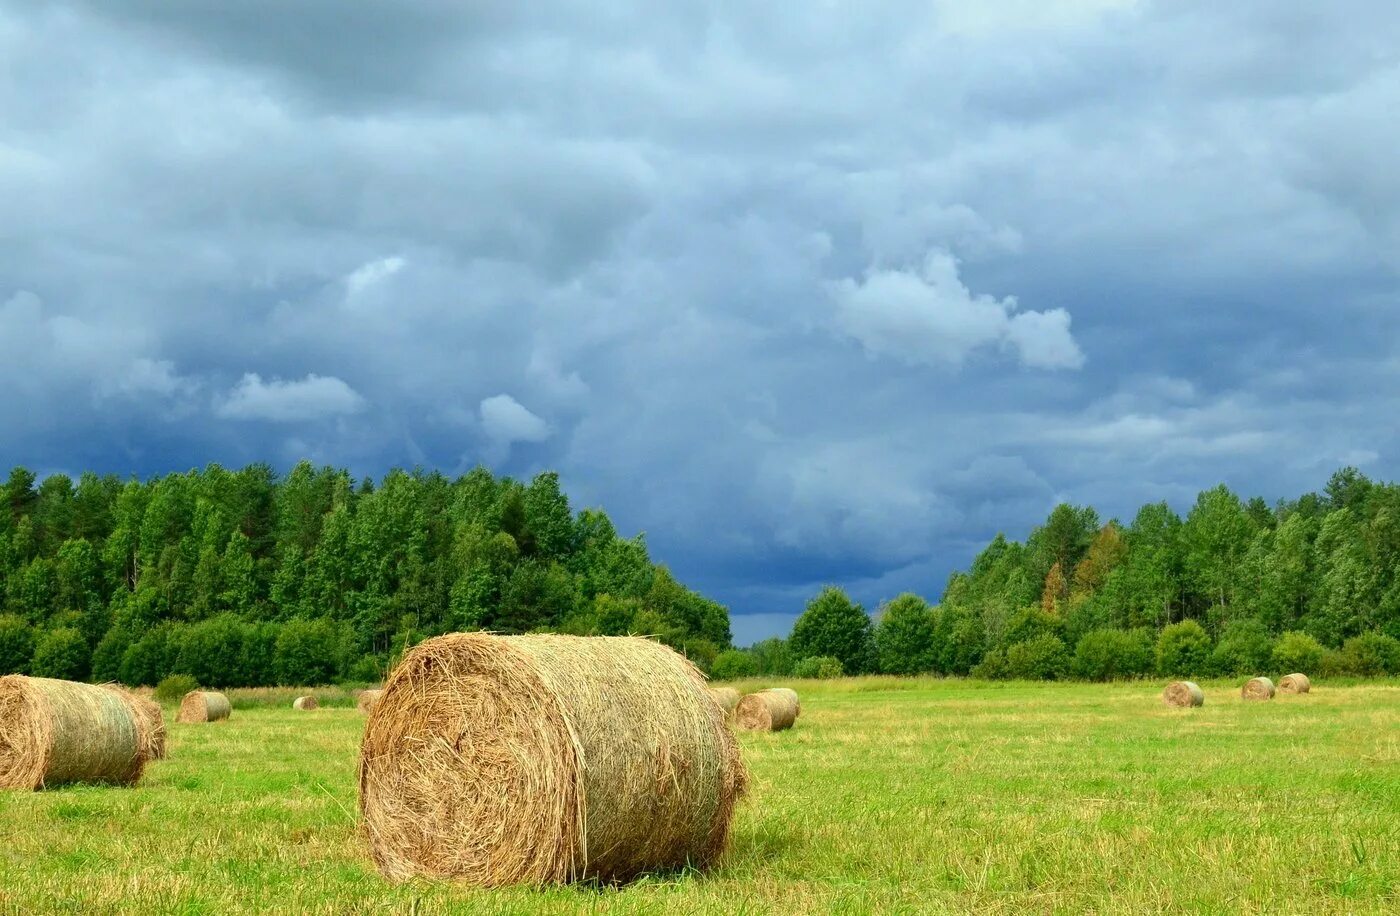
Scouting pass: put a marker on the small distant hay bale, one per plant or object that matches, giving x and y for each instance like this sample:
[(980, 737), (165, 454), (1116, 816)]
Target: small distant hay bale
[(1258, 688), (305, 703), (368, 699), (54, 732), (1183, 694), (203, 706), (726, 697), (542, 759), (767, 710), (1295, 683), (150, 719)]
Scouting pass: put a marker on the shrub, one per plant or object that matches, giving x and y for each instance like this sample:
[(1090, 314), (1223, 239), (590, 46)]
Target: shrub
[(992, 667), (107, 656), (822, 667), (62, 654), (904, 638), (1030, 624), (1105, 655), (1043, 658), (259, 653), (16, 645), (1371, 654), (772, 657), (1333, 664), (834, 625), (959, 641), (1182, 649), (732, 664), (1245, 647), (211, 653), (308, 653), (1297, 652), (149, 659), (173, 687), (367, 669)]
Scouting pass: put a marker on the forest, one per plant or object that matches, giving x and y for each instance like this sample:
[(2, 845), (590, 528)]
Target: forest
[(1236, 587), (242, 578)]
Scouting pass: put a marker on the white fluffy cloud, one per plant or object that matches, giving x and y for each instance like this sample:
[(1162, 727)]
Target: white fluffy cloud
[(932, 317), (315, 397), (505, 420)]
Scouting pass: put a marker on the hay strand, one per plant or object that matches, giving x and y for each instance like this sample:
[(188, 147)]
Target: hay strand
[(542, 759), (1258, 688), (366, 700), (1183, 694), (54, 732), (767, 710), (1295, 683), (150, 720), (203, 706), (726, 697), (306, 703)]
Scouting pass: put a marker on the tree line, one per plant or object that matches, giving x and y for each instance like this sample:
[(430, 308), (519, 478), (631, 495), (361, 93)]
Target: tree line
[(245, 578), (1236, 587)]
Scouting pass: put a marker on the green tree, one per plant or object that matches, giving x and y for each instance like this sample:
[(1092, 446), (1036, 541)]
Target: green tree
[(308, 653), (733, 664), (834, 625), (16, 645), (1041, 658), (1245, 647), (1183, 649), (1107, 655), (1217, 534), (61, 654), (1297, 652), (904, 638)]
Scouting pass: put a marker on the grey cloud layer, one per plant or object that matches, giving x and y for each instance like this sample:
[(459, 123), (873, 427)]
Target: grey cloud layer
[(828, 297)]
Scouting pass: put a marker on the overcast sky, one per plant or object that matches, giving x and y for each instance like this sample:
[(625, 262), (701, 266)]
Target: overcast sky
[(828, 293)]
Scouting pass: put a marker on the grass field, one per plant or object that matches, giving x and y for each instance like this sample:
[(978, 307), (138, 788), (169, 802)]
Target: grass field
[(893, 796)]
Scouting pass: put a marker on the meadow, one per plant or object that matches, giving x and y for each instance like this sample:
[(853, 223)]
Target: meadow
[(889, 796)]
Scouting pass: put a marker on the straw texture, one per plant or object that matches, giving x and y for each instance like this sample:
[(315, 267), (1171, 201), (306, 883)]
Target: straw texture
[(1295, 683), (367, 699), (203, 706), (791, 695), (1258, 688), (542, 759), (54, 732), (767, 710), (305, 703), (726, 697), (1183, 694), (150, 720)]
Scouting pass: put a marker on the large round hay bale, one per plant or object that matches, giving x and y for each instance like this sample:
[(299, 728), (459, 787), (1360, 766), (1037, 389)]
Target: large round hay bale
[(1258, 688), (726, 697), (54, 732), (1183, 694), (1295, 683), (150, 719), (366, 700), (767, 710), (791, 695), (305, 703), (203, 706), (540, 759)]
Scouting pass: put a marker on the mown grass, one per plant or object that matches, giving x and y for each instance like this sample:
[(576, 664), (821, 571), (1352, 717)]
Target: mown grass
[(891, 796)]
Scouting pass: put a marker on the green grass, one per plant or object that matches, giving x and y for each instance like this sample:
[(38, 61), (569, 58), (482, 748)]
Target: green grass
[(894, 796)]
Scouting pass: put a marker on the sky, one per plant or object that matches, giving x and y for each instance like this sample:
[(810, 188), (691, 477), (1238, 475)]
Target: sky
[(828, 296)]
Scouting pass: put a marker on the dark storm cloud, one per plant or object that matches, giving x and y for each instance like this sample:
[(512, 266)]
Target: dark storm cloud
[(829, 297)]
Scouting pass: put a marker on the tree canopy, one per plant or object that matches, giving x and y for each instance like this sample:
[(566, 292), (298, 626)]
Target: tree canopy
[(247, 578)]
